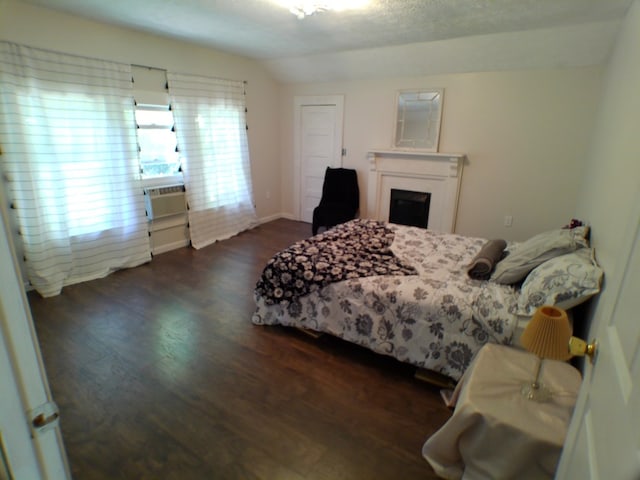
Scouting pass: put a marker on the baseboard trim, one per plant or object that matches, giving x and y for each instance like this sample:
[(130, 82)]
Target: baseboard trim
[(276, 216), (170, 246)]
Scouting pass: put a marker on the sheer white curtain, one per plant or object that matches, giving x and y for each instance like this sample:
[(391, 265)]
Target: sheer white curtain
[(211, 129), (70, 161)]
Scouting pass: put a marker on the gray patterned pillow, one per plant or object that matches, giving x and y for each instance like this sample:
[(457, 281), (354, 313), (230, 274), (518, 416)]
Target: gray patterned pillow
[(524, 257), (564, 281)]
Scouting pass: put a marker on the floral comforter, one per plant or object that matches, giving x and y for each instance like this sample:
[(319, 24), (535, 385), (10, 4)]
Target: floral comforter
[(437, 319)]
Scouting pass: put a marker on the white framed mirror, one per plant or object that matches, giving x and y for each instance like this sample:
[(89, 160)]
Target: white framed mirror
[(418, 114)]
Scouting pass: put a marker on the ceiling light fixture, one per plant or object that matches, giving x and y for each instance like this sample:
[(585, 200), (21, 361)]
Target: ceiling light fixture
[(303, 8)]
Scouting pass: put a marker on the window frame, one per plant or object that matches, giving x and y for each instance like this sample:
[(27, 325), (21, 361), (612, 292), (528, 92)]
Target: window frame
[(170, 141)]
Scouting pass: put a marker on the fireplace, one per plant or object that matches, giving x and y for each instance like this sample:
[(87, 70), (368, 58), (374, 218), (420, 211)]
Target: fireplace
[(439, 174), (409, 208)]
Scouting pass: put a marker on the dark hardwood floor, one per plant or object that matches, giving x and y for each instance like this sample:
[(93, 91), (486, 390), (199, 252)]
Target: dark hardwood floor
[(160, 374)]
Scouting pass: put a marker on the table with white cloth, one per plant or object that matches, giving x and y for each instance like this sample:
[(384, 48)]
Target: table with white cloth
[(497, 433)]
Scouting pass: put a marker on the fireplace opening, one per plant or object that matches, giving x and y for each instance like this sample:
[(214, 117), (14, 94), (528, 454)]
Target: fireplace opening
[(409, 208)]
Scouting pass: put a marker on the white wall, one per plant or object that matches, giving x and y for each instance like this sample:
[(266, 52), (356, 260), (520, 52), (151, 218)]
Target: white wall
[(43, 28), (525, 133), (610, 190)]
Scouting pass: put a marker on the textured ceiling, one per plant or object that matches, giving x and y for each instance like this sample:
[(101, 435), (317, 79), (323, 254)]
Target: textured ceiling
[(263, 30)]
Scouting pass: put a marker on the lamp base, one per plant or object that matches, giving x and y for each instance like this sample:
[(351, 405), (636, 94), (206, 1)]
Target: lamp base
[(536, 392)]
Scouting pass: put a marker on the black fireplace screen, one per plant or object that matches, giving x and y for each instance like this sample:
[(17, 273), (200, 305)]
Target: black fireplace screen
[(409, 208)]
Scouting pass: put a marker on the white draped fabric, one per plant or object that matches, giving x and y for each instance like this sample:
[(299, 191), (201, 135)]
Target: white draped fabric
[(69, 156), (211, 129)]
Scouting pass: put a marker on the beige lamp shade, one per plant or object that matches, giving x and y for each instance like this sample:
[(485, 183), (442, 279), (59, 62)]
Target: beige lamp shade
[(547, 334)]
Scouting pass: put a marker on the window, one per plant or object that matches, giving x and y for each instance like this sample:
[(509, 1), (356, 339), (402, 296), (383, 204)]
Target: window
[(71, 166), (210, 116), (220, 128), (75, 158), (156, 141), (154, 120)]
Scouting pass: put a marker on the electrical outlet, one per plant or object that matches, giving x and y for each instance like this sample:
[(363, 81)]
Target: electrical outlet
[(268, 194), (508, 220)]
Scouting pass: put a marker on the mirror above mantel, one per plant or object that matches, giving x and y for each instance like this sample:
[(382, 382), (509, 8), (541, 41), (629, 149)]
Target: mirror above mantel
[(418, 114)]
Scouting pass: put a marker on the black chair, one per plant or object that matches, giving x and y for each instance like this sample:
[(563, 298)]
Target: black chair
[(340, 199)]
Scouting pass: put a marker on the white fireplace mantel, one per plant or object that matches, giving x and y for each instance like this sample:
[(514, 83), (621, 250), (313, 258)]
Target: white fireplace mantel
[(437, 173)]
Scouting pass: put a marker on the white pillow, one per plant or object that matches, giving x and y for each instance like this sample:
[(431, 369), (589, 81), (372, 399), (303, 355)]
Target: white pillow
[(564, 281), (524, 257)]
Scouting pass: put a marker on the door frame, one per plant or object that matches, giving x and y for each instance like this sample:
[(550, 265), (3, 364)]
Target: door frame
[(298, 103), (26, 449), (600, 321)]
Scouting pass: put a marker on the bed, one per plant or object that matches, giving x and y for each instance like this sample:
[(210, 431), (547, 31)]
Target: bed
[(405, 292)]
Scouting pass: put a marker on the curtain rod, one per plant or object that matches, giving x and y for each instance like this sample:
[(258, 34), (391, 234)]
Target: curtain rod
[(104, 60), (57, 52), (148, 67), (165, 70)]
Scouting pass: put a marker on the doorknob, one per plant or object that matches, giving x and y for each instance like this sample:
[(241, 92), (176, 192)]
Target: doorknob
[(41, 421), (44, 417), (580, 348)]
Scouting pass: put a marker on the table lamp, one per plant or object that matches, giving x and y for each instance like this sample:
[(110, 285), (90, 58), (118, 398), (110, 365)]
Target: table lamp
[(547, 336)]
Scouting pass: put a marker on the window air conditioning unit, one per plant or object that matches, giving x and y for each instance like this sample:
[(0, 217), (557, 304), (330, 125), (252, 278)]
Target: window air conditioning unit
[(165, 201)]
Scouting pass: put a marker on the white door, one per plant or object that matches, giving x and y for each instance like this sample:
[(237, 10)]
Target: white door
[(24, 452), (319, 145), (603, 441)]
